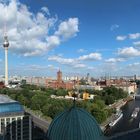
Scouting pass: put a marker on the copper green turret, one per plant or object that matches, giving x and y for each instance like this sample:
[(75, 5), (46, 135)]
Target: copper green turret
[(74, 124)]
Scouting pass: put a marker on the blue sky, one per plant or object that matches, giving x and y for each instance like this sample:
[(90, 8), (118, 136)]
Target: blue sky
[(84, 36)]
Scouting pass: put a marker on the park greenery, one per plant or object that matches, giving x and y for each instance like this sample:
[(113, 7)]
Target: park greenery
[(38, 99)]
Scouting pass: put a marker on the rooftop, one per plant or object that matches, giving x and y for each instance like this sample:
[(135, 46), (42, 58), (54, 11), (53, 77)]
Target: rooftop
[(74, 124), (6, 99), (9, 106)]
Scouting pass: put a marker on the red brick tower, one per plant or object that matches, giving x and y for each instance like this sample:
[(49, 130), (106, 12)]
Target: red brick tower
[(59, 76)]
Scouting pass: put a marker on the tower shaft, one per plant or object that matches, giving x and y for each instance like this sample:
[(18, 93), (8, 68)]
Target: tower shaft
[(6, 66)]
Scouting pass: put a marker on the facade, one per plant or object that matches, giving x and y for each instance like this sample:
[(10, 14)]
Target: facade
[(39, 81), (51, 83), (124, 84), (14, 124), (2, 85), (130, 88)]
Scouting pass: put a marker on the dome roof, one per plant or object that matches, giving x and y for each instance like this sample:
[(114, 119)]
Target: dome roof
[(74, 124)]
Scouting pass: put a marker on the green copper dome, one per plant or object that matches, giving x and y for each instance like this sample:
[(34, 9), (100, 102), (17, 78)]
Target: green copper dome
[(74, 124)]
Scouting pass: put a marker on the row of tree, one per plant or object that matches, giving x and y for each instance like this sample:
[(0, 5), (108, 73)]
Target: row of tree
[(38, 98)]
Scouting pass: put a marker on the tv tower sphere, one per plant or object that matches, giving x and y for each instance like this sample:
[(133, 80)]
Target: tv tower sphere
[(6, 43)]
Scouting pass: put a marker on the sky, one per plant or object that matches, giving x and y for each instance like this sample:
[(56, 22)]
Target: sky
[(100, 37)]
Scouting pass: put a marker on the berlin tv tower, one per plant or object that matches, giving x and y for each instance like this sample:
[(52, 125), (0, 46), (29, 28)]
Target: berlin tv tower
[(6, 45)]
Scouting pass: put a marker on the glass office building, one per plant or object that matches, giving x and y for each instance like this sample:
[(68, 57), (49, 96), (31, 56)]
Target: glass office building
[(14, 123)]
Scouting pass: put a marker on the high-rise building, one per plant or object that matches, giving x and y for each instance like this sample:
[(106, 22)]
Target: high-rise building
[(6, 45), (14, 123)]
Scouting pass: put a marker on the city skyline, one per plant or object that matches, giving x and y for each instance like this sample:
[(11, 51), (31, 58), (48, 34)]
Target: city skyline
[(95, 37)]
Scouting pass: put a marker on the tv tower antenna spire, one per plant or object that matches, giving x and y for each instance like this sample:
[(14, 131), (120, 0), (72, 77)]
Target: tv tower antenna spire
[(6, 45)]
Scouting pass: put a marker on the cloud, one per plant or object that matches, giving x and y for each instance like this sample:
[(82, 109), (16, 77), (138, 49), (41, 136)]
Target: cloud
[(130, 36), (59, 59), (45, 10), (121, 38), (79, 66), (114, 60), (91, 68), (129, 52), (68, 28), (136, 64), (114, 27), (132, 68), (67, 61), (52, 41), (51, 67), (81, 51), (134, 36), (91, 57), (35, 67), (76, 62), (32, 34), (137, 43)]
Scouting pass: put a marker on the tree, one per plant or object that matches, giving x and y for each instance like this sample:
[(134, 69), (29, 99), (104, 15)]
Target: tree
[(100, 103), (38, 101), (53, 108), (109, 100), (100, 115), (50, 91), (61, 92)]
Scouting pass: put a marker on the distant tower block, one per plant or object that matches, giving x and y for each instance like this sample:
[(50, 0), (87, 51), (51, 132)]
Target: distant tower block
[(6, 45), (59, 76), (135, 77)]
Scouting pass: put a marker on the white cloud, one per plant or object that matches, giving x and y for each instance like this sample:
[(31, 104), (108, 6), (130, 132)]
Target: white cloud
[(81, 51), (52, 41), (67, 61), (79, 66), (73, 61), (76, 62), (137, 43), (91, 56), (128, 52), (132, 68), (68, 29), (113, 27), (46, 10), (91, 68), (121, 38), (130, 36), (51, 67), (35, 67), (59, 59), (134, 64), (29, 33), (134, 36), (114, 60)]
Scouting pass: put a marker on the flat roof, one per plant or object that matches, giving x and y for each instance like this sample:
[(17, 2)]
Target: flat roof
[(6, 99)]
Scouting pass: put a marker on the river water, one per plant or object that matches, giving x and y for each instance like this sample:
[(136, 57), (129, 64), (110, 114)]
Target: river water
[(126, 123)]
